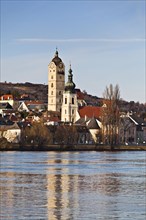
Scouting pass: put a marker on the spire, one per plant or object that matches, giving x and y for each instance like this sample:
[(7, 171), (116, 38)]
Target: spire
[(70, 72), (70, 86), (56, 58), (56, 53)]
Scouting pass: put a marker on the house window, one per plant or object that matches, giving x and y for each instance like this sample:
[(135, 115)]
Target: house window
[(60, 100), (51, 84), (59, 92), (51, 77), (72, 111), (51, 92), (65, 100), (60, 77), (65, 111), (72, 100)]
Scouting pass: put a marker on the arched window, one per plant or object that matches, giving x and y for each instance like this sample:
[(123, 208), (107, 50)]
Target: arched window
[(51, 77), (65, 111), (59, 92), (65, 100), (72, 100), (51, 92), (51, 84)]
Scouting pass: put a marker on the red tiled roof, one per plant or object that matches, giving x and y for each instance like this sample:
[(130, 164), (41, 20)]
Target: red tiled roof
[(6, 97), (90, 111), (24, 95), (33, 103)]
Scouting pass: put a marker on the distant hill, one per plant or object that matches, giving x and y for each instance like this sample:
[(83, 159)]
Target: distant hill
[(40, 92), (35, 91)]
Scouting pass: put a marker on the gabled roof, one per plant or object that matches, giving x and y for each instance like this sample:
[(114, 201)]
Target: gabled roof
[(6, 97), (31, 105), (137, 120), (92, 124), (82, 121), (5, 105), (90, 111)]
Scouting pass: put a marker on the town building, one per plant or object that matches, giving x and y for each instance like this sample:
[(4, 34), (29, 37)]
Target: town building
[(56, 83), (132, 129), (69, 111)]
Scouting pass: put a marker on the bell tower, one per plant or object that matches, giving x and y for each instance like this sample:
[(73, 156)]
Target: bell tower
[(69, 105), (56, 82)]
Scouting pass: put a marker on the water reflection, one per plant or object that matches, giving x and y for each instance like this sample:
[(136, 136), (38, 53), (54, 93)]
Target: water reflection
[(79, 185), (60, 187)]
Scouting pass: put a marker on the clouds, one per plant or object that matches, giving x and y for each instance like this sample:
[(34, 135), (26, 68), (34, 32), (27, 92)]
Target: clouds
[(80, 40), (104, 40)]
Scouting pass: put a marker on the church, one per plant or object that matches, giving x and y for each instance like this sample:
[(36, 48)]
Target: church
[(62, 96), (67, 102)]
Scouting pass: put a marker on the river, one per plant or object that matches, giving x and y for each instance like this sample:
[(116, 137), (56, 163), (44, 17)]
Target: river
[(73, 185)]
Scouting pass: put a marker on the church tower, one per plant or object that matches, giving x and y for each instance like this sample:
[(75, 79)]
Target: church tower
[(69, 105), (56, 82)]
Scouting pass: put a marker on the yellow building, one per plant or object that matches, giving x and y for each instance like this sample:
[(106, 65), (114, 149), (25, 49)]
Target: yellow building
[(56, 82)]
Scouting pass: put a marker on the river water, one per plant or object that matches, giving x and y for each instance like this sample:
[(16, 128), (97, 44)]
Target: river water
[(73, 185)]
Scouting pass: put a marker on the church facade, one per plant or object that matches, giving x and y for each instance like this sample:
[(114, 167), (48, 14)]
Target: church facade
[(56, 83), (61, 97), (70, 105)]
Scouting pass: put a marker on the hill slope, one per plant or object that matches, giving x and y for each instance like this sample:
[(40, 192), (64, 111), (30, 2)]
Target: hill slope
[(35, 91)]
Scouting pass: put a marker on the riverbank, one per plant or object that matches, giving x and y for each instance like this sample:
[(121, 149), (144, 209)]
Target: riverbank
[(79, 147)]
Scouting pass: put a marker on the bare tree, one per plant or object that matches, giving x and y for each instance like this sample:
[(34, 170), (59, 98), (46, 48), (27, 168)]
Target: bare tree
[(110, 115), (36, 135), (66, 134)]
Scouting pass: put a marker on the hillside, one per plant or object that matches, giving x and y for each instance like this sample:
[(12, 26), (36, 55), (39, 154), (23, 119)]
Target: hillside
[(35, 91), (40, 91)]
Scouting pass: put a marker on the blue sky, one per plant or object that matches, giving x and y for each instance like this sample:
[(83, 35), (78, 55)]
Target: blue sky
[(103, 40)]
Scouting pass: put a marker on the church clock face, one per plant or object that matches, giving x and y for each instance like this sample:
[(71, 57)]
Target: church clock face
[(51, 65)]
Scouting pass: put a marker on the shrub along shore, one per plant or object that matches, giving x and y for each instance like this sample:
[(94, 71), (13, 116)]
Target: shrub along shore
[(78, 147)]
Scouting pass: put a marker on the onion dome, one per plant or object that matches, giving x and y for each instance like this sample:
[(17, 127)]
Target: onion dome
[(70, 86), (56, 59)]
